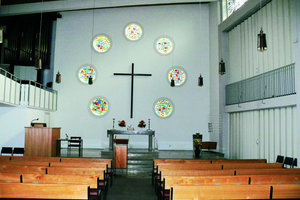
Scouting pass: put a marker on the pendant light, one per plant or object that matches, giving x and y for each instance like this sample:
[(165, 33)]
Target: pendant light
[(200, 81), (58, 77), (261, 39), (222, 67), (172, 82), (90, 80)]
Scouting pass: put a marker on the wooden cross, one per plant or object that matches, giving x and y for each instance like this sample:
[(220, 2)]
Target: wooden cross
[(132, 74)]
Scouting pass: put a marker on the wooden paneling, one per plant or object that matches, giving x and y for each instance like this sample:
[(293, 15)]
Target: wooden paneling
[(121, 156), (41, 141)]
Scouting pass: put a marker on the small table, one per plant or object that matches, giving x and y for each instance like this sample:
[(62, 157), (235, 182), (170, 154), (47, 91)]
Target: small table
[(112, 132), (58, 145)]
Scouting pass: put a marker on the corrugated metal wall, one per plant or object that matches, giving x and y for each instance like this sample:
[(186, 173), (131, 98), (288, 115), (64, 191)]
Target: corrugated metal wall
[(277, 22), (269, 132), (263, 134)]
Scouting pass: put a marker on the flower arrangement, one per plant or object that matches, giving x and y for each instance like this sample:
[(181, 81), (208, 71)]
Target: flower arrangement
[(122, 123), (142, 124)]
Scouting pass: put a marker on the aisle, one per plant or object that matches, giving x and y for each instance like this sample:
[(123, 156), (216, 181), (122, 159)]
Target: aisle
[(131, 188)]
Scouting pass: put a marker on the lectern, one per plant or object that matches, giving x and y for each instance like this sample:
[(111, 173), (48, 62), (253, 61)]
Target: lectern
[(120, 153), (41, 141)]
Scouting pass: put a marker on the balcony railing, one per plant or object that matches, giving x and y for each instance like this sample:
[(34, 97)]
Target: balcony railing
[(10, 88), (14, 91), (275, 83)]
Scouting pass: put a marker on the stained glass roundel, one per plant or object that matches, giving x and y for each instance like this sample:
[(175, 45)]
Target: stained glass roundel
[(85, 72), (133, 31), (178, 75), (164, 45), (163, 107), (101, 43), (99, 106)]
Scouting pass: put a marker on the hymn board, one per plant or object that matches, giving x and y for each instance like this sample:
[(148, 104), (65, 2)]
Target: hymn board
[(132, 74)]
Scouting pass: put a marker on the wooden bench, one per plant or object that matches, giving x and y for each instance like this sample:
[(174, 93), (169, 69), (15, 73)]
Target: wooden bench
[(10, 177), (251, 165), (274, 179), (22, 169), (80, 164), (25, 162), (5, 157), (220, 192), (267, 171), (240, 161), (76, 171), (190, 166), (35, 158), (286, 191), (43, 191)]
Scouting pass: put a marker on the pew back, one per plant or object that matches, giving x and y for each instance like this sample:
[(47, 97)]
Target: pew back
[(76, 171), (22, 169), (43, 191), (286, 191), (275, 179), (190, 166), (25, 162), (267, 171), (251, 165), (220, 192), (167, 172), (10, 177)]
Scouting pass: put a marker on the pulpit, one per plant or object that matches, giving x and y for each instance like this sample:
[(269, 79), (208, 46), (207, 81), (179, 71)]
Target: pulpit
[(120, 153), (41, 141)]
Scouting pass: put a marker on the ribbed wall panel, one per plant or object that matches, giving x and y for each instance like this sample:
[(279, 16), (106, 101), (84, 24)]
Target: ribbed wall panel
[(263, 134), (244, 60)]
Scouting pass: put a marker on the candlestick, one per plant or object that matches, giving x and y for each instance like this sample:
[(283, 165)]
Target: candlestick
[(114, 123), (148, 124)]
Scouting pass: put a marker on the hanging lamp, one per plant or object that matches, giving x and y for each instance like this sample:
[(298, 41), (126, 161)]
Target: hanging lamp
[(172, 82), (38, 60), (222, 67), (58, 77), (90, 80), (261, 41), (200, 81)]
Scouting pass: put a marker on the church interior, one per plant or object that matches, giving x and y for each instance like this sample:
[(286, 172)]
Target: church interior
[(157, 99)]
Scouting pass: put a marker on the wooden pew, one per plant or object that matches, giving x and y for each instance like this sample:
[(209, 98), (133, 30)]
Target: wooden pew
[(79, 164), (220, 192), (240, 161), (274, 179), (267, 171), (251, 165), (43, 191), (286, 191), (22, 169), (35, 158), (189, 166), (61, 179), (25, 162), (76, 171), (214, 172), (10, 177), (5, 157)]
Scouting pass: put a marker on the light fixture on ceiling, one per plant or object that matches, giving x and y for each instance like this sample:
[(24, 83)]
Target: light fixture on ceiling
[(200, 81), (261, 39), (222, 67), (58, 78)]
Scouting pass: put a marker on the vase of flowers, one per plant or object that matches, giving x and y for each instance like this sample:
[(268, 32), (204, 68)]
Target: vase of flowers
[(142, 124), (122, 123)]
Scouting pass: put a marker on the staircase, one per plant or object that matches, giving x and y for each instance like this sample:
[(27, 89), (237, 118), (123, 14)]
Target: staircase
[(140, 161)]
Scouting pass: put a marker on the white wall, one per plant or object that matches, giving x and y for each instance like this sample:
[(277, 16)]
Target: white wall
[(187, 25), (264, 134), (277, 21), (12, 123)]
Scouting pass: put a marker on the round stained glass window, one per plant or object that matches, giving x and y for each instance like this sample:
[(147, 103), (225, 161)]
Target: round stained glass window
[(133, 31), (163, 107), (99, 106), (86, 72), (178, 75), (101, 43), (164, 45)]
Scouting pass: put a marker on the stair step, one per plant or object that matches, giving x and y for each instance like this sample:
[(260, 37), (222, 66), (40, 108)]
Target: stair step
[(140, 162), (140, 167)]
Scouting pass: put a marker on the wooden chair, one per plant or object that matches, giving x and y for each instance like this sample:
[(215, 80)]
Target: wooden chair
[(7, 150), (279, 159), (75, 142)]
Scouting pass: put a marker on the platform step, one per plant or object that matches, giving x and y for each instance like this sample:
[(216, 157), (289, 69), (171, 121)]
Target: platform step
[(140, 162)]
